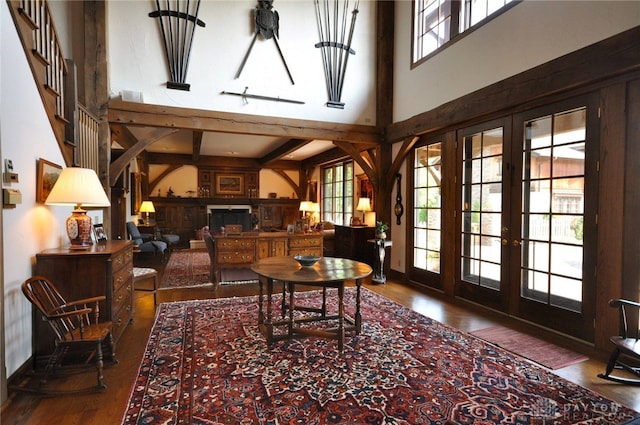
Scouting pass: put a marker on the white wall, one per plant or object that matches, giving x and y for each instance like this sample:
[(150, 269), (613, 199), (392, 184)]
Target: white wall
[(30, 227), (529, 34), (137, 61)]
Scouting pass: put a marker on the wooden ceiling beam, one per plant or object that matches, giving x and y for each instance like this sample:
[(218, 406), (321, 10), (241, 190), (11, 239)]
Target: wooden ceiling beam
[(285, 149), (145, 115), (289, 180), (369, 169), (158, 179), (117, 166), (197, 144)]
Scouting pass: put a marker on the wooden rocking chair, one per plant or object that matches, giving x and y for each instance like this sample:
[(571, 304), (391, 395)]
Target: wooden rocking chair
[(75, 325), (626, 344)]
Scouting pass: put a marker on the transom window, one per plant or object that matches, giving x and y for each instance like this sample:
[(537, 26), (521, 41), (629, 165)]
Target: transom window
[(337, 193), (436, 22)]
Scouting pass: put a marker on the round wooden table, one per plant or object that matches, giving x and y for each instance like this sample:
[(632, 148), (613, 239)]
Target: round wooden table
[(328, 272)]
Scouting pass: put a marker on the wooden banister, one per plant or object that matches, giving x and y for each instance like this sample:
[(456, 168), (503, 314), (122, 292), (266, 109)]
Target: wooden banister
[(76, 129)]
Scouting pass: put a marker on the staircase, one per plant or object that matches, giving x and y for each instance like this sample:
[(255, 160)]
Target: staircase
[(75, 128)]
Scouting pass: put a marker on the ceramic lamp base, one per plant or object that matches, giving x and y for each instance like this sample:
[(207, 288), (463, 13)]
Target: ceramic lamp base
[(79, 229)]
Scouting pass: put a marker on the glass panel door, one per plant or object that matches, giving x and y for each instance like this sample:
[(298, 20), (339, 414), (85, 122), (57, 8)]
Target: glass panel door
[(528, 224), (427, 213), (483, 195), (553, 184), (557, 218)]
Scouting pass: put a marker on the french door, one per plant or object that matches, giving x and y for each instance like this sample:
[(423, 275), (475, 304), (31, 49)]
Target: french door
[(528, 202)]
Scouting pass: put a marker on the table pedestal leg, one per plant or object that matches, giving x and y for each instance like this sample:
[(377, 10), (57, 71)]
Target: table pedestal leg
[(378, 276), (291, 286), (358, 318), (341, 317), (267, 321)]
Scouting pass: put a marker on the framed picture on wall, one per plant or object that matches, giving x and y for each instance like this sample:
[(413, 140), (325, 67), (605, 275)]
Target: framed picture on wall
[(365, 188), (229, 184), (48, 174)]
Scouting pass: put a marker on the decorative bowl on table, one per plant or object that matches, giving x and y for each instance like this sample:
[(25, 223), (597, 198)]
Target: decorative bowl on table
[(306, 260)]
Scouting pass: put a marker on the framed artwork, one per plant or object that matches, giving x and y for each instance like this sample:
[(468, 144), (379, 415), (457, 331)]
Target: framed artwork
[(313, 190), (48, 174), (365, 188), (99, 233), (298, 226), (229, 184)]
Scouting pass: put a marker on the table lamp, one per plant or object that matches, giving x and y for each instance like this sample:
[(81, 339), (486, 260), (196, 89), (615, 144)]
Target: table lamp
[(305, 206), (364, 205), (147, 207), (79, 187)]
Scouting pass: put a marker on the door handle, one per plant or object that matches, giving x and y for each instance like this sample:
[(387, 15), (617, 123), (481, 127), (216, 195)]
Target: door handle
[(516, 242)]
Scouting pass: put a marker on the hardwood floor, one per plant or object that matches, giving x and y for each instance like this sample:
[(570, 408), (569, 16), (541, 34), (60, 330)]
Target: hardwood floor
[(108, 406)]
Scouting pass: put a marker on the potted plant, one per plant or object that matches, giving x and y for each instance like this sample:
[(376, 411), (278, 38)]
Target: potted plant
[(381, 228)]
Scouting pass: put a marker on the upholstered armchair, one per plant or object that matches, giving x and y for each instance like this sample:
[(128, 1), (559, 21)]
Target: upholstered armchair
[(151, 246)]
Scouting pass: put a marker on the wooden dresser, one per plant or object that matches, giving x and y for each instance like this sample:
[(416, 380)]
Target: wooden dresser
[(105, 269)]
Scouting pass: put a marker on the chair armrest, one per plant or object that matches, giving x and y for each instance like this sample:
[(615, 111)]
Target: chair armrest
[(622, 306), (146, 237), (620, 302), (70, 313), (86, 301)]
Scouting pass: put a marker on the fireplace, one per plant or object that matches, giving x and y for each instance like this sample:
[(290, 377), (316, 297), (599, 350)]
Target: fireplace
[(223, 215)]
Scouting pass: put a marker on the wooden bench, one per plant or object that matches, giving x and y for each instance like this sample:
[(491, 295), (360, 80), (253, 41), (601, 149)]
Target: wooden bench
[(146, 279)]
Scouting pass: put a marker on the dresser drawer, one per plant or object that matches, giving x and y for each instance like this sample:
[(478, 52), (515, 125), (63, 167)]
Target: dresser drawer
[(121, 277), (122, 315), (235, 257), (121, 259), (305, 241), (227, 244), (122, 296), (316, 251)]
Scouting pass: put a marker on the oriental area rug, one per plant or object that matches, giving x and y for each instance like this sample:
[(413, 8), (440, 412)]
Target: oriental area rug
[(186, 268), (207, 363)]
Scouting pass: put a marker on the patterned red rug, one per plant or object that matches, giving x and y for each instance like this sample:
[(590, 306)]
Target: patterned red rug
[(186, 268), (534, 349), (207, 363)]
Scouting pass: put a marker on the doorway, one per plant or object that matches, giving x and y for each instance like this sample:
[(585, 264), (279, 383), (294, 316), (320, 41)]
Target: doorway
[(528, 223)]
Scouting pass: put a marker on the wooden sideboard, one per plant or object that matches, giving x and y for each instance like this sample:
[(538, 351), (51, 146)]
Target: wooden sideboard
[(351, 242), (104, 269), (183, 216), (240, 251)]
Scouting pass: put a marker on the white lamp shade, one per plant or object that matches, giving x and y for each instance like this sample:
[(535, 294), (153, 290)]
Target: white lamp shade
[(147, 206), (364, 204), (78, 186), (305, 206)]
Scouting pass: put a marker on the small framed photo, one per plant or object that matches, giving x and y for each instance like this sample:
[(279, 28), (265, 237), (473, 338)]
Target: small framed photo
[(99, 233), (355, 221), (48, 174), (299, 226)]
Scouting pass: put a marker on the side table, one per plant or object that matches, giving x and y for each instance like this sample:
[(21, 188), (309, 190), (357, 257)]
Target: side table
[(379, 246)]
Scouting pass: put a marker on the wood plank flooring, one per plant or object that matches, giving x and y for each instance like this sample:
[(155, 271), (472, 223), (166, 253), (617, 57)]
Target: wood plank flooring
[(108, 407)]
